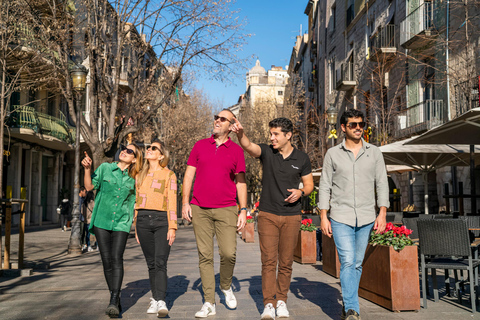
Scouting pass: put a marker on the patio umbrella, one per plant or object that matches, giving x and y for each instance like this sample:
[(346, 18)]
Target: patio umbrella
[(463, 130), (427, 158)]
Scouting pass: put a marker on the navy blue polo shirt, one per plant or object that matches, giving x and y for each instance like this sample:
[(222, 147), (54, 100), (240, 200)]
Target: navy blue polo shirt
[(280, 174)]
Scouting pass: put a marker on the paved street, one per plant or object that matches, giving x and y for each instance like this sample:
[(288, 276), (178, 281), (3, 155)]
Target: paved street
[(74, 287)]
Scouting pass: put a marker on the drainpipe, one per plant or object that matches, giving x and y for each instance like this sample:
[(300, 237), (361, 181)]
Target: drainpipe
[(446, 61)]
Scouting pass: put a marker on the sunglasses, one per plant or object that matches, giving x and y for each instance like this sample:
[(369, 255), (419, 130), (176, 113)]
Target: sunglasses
[(222, 119), (353, 125), (154, 148), (129, 151)]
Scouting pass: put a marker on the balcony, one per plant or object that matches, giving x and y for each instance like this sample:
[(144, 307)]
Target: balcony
[(125, 81), (27, 124), (347, 77), (420, 118), (418, 30), (383, 45)]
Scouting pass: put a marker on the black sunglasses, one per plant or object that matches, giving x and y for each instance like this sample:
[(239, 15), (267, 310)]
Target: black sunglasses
[(154, 148), (222, 119), (353, 125), (129, 151)]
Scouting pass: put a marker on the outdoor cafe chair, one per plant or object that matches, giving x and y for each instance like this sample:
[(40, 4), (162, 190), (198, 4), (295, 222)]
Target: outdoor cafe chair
[(446, 245)]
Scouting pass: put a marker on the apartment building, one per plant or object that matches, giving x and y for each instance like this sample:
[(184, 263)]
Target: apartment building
[(409, 65)]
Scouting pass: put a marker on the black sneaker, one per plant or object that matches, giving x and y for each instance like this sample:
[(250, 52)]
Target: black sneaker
[(352, 315)]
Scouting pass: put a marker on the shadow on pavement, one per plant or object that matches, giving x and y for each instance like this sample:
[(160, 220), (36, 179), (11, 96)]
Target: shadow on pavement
[(319, 293), (177, 286)]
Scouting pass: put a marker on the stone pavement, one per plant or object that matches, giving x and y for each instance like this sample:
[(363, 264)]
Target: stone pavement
[(74, 287)]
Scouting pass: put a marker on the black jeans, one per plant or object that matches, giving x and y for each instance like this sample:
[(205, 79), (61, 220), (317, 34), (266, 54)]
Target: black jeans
[(112, 246), (152, 229)]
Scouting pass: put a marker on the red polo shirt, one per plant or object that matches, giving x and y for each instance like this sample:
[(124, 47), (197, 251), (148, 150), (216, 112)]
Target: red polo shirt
[(214, 185)]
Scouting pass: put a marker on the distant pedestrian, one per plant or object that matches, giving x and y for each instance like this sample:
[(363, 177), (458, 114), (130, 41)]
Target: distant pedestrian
[(353, 173), (65, 212), (81, 197), (218, 166), (112, 215), (279, 218), (156, 220), (87, 210)]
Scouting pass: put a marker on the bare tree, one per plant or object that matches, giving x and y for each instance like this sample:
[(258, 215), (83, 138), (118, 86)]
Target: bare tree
[(137, 52)]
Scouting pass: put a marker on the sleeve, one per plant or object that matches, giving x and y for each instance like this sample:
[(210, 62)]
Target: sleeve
[(264, 149), (172, 201), (307, 166), (326, 181), (381, 180), (97, 176), (193, 158), (240, 167)]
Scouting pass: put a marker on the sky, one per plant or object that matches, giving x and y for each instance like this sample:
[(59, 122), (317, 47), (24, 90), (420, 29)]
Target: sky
[(274, 25)]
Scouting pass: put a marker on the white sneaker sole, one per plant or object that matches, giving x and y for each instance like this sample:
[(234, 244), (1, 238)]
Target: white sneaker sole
[(151, 311), (267, 317), (204, 316), (162, 313)]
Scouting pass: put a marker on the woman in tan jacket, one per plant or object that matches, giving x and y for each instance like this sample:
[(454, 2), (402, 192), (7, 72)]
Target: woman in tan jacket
[(156, 220)]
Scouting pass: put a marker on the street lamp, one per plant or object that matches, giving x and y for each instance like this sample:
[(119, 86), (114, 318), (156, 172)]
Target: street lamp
[(79, 78), (332, 121)]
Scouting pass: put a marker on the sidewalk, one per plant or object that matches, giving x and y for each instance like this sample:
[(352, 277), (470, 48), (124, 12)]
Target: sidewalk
[(74, 287)]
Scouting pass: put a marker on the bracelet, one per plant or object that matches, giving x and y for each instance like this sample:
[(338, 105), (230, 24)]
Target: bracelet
[(243, 209)]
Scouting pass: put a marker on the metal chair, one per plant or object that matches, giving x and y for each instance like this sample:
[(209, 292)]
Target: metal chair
[(447, 246)]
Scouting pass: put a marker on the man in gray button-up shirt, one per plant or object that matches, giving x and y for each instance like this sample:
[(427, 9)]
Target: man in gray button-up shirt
[(352, 172)]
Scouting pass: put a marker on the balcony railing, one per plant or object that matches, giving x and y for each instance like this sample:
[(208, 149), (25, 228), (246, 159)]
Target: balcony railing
[(383, 43), (346, 81), (421, 117), (416, 28), (28, 117)]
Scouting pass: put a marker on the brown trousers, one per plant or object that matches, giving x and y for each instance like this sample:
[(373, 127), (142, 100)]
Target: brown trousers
[(222, 223), (278, 237)]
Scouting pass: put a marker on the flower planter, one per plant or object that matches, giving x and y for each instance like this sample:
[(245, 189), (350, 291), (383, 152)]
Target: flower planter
[(248, 233), (331, 264), (390, 278), (306, 249)]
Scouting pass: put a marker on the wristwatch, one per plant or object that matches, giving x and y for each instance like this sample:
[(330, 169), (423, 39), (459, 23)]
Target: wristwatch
[(303, 193)]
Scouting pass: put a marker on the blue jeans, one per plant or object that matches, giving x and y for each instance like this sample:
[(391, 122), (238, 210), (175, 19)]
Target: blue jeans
[(351, 244)]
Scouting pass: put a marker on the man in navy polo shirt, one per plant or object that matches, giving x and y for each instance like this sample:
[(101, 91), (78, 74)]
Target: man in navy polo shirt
[(284, 167)]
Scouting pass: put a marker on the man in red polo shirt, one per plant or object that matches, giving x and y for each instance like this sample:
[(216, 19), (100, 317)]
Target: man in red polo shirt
[(218, 165)]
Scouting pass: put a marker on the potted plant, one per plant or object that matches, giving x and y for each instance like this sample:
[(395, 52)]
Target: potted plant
[(248, 234), (390, 270), (306, 249)]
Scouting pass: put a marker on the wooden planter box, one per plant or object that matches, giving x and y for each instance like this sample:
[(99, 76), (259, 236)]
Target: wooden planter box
[(390, 278), (306, 249), (248, 232), (331, 264)]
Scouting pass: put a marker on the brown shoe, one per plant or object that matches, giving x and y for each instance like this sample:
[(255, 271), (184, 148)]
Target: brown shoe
[(352, 315)]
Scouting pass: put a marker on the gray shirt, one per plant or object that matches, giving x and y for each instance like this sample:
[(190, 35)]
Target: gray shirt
[(347, 184)]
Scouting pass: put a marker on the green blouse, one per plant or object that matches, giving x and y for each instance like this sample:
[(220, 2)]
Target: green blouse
[(115, 198)]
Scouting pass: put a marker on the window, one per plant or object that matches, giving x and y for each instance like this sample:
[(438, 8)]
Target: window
[(333, 17), (280, 93), (331, 72)]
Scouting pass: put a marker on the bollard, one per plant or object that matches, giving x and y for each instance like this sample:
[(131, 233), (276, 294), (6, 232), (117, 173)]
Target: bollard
[(8, 231)]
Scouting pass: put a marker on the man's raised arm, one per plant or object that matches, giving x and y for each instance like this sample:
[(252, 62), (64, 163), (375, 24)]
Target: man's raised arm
[(253, 149)]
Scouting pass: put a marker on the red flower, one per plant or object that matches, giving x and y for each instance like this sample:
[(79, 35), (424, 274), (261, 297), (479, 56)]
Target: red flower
[(249, 217)]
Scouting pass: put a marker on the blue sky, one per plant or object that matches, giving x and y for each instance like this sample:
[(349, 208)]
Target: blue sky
[(275, 24)]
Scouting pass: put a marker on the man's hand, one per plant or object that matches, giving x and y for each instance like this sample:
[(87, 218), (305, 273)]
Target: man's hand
[(296, 194), (326, 227), (187, 212), (381, 221), (242, 219), (236, 127)]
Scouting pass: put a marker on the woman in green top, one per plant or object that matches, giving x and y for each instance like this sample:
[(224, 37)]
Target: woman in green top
[(112, 214)]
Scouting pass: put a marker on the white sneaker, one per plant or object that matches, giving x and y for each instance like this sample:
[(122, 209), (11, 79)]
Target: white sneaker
[(153, 308), (282, 311), (89, 249), (268, 312), (230, 299), (162, 309), (208, 309)]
